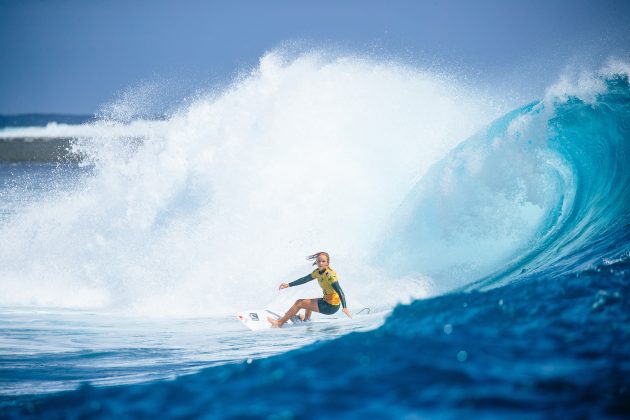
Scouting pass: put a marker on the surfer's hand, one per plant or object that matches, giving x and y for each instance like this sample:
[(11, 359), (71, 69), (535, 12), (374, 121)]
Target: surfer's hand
[(347, 312), (283, 286)]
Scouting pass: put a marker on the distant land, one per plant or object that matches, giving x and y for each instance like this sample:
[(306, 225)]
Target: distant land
[(41, 120), (44, 150), (29, 138)]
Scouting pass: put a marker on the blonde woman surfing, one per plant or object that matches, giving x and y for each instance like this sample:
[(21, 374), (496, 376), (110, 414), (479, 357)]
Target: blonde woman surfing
[(327, 305)]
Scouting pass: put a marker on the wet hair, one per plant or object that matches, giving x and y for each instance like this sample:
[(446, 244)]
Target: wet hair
[(315, 256)]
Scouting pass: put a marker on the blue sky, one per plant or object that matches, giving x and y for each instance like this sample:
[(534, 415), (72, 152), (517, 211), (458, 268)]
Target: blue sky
[(72, 56)]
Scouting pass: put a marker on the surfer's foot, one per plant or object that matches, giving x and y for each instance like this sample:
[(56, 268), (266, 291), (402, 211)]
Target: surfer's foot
[(275, 323), (304, 318)]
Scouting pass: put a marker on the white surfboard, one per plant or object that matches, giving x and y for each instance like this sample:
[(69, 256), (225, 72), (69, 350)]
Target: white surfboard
[(257, 319)]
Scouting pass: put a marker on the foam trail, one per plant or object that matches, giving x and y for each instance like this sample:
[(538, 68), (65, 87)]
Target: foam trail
[(214, 207)]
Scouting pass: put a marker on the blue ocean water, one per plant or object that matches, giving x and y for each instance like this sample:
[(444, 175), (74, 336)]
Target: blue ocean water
[(518, 237)]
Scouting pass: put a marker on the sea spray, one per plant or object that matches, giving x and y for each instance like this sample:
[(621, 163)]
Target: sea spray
[(210, 209)]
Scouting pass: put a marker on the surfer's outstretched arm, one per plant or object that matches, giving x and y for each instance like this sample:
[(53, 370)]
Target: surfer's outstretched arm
[(302, 280), (297, 282)]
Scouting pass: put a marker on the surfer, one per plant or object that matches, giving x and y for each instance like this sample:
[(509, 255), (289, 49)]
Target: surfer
[(327, 279)]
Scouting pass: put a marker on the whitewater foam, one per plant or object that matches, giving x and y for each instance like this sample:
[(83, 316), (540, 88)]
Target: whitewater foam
[(219, 203)]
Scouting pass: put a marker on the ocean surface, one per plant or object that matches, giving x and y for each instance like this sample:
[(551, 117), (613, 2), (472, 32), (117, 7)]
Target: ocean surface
[(483, 246)]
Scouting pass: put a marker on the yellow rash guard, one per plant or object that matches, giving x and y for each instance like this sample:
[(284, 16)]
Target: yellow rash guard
[(329, 284), (326, 280)]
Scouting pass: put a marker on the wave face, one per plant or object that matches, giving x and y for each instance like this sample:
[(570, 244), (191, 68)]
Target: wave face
[(542, 189), (527, 224)]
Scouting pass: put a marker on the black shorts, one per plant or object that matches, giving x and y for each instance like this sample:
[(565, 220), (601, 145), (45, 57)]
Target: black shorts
[(326, 308)]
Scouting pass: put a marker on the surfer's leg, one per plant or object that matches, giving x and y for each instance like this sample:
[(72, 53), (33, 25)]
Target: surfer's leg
[(308, 304), (307, 315)]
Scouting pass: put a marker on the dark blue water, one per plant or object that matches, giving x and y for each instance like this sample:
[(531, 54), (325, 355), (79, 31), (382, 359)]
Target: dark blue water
[(546, 334)]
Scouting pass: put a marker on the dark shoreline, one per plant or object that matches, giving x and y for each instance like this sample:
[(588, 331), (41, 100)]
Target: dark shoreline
[(37, 149)]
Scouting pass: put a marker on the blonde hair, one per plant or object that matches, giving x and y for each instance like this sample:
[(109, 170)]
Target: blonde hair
[(315, 256)]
